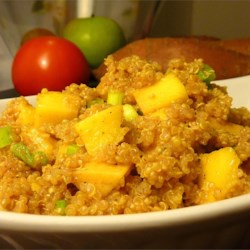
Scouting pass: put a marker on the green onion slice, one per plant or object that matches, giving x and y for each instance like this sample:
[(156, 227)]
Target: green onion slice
[(206, 74), (5, 136), (72, 149), (129, 112), (115, 97), (22, 152)]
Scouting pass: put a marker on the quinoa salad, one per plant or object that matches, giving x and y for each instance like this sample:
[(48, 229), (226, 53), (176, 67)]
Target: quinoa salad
[(143, 140)]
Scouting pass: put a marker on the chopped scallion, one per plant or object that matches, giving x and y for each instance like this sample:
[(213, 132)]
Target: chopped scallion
[(22, 152), (115, 97), (206, 74), (72, 149), (40, 159), (5, 136), (129, 112), (61, 204)]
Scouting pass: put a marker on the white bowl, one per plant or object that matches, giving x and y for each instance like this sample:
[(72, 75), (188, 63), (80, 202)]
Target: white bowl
[(223, 224)]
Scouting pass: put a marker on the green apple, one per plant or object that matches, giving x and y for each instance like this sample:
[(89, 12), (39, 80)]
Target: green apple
[(97, 37)]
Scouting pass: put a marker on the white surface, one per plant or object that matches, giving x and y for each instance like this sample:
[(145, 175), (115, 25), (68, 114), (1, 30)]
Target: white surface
[(239, 89), (222, 224)]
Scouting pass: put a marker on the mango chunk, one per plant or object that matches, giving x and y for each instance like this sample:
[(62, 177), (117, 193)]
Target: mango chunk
[(102, 129), (219, 168), (159, 114), (105, 177), (26, 114), (39, 141), (53, 107), (160, 94)]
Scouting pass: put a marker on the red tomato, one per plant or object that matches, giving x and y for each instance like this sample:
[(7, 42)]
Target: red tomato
[(48, 62)]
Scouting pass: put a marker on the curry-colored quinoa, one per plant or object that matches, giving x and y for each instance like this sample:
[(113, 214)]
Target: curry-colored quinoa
[(164, 155)]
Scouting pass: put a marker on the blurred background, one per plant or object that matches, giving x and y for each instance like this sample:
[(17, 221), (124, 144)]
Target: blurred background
[(224, 19)]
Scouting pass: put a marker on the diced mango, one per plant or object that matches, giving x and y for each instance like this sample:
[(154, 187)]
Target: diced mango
[(26, 114), (39, 141), (160, 114), (101, 129), (53, 107), (160, 94), (219, 168), (105, 177)]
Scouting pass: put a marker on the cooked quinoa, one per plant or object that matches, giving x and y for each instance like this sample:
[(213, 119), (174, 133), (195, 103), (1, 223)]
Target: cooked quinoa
[(162, 155)]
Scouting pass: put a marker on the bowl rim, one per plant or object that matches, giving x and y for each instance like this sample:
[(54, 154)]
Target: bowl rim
[(18, 222)]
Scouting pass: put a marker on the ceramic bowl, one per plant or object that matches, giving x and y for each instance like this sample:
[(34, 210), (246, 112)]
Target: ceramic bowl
[(222, 224)]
